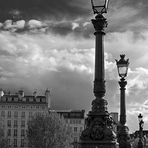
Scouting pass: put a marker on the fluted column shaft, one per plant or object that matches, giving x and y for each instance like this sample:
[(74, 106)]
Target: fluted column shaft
[(122, 84)]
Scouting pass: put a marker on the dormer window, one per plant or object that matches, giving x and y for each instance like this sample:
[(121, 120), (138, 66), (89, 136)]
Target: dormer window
[(15, 99), (31, 99), (9, 99), (43, 100), (24, 99), (37, 99)]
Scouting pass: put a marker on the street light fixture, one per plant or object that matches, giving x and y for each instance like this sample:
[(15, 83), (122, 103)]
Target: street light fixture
[(98, 130), (123, 136), (122, 66), (101, 8), (141, 124)]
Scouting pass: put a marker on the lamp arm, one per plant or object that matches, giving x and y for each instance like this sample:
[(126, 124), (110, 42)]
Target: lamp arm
[(95, 10), (93, 7)]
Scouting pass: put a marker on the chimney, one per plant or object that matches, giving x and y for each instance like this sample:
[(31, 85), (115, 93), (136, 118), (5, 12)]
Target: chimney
[(35, 94), (1, 93), (20, 93), (48, 99)]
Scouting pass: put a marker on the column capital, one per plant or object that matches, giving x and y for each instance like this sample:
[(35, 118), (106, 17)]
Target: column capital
[(122, 83), (99, 23)]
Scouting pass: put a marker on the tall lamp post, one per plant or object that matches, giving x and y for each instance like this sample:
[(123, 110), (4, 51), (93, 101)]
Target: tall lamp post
[(98, 132), (123, 136), (141, 123)]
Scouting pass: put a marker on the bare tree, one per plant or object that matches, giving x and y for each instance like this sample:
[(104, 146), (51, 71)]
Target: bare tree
[(3, 139), (49, 131)]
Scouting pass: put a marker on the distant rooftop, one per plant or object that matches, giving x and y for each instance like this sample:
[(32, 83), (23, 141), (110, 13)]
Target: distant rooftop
[(21, 98), (71, 113)]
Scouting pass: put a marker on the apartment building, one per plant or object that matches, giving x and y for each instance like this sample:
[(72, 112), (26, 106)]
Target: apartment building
[(114, 116), (75, 119), (17, 109)]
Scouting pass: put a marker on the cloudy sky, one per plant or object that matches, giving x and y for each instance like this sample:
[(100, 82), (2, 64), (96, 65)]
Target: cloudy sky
[(50, 44)]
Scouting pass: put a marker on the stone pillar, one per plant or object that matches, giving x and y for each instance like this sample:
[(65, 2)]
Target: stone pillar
[(98, 132)]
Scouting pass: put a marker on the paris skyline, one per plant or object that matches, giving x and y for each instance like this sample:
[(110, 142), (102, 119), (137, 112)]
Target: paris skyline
[(46, 44)]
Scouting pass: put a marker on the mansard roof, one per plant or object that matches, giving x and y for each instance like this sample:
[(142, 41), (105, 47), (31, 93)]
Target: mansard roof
[(28, 99)]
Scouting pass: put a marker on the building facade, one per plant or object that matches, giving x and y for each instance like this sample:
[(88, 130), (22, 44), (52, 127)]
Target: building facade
[(17, 109), (75, 119), (114, 116)]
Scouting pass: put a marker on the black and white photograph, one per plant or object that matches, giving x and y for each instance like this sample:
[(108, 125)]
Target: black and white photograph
[(73, 74)]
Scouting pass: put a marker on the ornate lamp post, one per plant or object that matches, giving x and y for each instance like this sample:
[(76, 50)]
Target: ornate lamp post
[(141, 123), (123, 136), (98, 132)]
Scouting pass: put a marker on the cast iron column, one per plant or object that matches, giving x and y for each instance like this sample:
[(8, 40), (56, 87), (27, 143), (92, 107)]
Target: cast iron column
[(140, 143), (98, 132), (123, 136)]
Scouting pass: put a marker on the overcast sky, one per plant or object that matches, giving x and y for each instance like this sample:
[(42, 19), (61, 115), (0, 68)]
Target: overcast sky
[(50, 44)]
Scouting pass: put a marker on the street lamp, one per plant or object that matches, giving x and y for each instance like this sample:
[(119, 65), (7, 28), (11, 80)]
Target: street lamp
[(141, 124), (101, 8), (122, 66), (98, 130), (123, 136)]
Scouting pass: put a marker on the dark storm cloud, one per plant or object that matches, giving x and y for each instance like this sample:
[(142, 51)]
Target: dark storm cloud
[(122, 15), (128, 15), (140, 6), (63, 28), (64, 12), (43, 8)]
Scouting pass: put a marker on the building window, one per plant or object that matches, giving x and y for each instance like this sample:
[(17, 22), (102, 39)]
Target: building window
[(24, 99), (43, 107), (22, 143), (15, 142), (37, 99), (15, 123), (75, 139), (81, 128), (23, 106), (66, 120), (3, 113), (4, 99), (9, 123), (70, 128), (23, 115), (43, 100), (9, 142), (22, 132), (9, 99), (30, 99), (75, 129), (71, 121), (15, 99), (38, 114), (9, 106), (15, 114), (9, 114), (79, 121), (16, 106), (22, 123), (9, 132), (15, 132), (30, 114)]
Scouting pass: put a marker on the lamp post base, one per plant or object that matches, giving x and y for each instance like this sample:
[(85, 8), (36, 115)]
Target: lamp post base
[(98, 132), (98, 144), (140, 144), (123, 137)]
